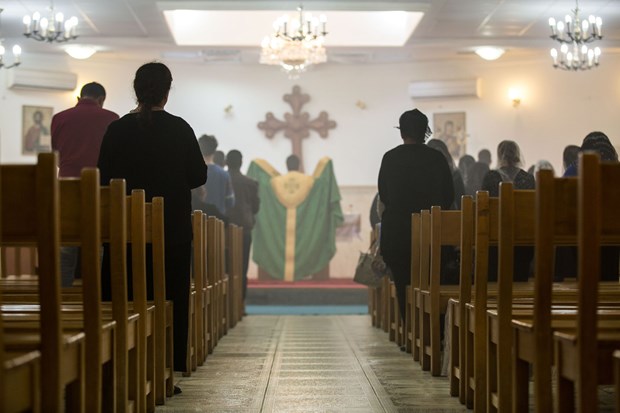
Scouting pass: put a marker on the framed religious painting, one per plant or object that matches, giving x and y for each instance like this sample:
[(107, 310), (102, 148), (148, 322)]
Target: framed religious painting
[(450, 128), (36, 134)]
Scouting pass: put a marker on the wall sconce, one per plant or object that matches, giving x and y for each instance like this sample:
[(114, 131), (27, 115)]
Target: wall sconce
[(361, 104), (515, 96)]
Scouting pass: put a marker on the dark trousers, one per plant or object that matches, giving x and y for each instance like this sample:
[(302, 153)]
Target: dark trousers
[(247, 244), (178, 261), (400, 265)]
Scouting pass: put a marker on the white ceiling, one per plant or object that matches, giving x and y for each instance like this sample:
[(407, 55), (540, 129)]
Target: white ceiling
[(449, 29)]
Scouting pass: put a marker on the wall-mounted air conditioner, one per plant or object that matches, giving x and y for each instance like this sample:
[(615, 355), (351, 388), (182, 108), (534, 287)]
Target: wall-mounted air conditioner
[(433, 89), (29, 79)]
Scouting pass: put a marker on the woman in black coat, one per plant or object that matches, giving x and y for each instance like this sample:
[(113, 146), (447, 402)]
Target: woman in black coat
[(412, 177), (158, 152)]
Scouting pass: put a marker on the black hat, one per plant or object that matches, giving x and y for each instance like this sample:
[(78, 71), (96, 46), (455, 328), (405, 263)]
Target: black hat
[(414, 124)]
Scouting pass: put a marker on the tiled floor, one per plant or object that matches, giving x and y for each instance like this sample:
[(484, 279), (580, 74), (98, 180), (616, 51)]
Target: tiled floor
[(310, 364)]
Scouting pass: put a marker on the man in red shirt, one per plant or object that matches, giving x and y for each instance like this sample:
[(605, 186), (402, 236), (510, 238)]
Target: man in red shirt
[(76, 135)]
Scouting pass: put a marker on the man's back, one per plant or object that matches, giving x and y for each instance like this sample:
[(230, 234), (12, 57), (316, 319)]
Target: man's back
[(77, 135), (246, 200)]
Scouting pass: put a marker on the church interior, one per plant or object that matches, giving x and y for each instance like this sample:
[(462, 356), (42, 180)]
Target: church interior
[(306, 337)]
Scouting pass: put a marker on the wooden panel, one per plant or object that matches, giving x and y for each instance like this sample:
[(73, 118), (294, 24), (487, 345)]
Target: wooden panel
[(18, 212), (524, 218), (450, 228)]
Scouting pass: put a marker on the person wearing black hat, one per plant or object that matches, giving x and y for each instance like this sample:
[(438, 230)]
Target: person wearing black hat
[(412, 177)]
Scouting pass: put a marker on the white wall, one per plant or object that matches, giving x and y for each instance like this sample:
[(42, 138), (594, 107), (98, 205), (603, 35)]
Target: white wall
[(558, 108)]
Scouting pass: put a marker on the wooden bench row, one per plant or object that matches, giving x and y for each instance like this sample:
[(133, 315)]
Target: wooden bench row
[(497, 330), (64, 350)]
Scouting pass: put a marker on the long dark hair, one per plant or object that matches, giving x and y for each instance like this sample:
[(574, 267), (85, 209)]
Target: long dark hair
[(151, 85)]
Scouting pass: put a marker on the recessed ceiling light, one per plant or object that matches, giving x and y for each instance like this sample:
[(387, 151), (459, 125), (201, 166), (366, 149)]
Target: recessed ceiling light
[(80, 52), (490, 52)]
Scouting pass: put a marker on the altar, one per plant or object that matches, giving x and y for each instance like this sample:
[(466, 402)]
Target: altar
[(294, 236)]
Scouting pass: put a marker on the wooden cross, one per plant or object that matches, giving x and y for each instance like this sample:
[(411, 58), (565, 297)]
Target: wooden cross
[(297, 125)]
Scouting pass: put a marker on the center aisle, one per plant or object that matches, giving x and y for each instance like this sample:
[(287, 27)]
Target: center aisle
[(310, 364)]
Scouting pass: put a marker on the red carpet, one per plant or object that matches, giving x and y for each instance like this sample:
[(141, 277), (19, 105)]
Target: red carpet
[(334, 283)]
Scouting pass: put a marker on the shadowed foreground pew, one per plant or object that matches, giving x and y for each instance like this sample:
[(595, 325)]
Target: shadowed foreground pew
[(583, 357), (81, 226), (30, 213), (19, 378)]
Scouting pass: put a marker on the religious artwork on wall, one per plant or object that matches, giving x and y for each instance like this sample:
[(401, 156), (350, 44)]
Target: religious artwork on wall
[(36, 134), (450, 128), (297, 125)]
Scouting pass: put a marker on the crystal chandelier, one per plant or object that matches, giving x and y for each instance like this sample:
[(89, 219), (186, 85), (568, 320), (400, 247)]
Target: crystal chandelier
[(296, 43), (17, 52), (54, 29), (574, 33)]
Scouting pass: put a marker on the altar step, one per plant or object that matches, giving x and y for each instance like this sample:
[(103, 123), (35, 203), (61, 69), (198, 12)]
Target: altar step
[(332, 292)]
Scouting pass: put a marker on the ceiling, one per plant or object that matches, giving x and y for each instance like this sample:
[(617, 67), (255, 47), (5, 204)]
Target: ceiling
[(449, 29)]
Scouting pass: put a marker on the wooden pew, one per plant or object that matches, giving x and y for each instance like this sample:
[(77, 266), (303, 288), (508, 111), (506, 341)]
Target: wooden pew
[(474, 347), (239, 303), (237, 261), (163, 323), (458, 332), (128, 343), (444, 231), (516, 223), (555, 225), (80, 226), (223, 278), (547, 308), (18, 260), (411, 318), (113, 225), (19, 377), (136, 205), (235, 269), (30, 213), (583, 356), (213, 279), (424, 269), (114, 231), (617, 378), (373, 292), (393, 316), (200, 285)]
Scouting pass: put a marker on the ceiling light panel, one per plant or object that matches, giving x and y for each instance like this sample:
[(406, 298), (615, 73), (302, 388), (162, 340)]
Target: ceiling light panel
[(248, 27)]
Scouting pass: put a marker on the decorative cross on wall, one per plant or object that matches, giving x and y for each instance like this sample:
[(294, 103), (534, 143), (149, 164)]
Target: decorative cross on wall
[(297, 125)]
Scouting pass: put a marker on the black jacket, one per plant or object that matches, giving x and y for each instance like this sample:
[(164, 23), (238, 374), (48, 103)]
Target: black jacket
[(411, 178), (163, 158), (246, 200)]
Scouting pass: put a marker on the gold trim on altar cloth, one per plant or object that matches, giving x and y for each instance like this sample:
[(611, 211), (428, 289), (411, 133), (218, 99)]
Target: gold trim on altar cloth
[(266, 166), (289, 253), (292, 189), (320, 167)]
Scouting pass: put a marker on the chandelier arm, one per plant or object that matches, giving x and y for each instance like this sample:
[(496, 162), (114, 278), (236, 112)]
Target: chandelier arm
[(10, 66)]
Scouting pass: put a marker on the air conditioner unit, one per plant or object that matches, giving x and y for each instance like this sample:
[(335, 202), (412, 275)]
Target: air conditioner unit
[(433, 89), (40, 80)]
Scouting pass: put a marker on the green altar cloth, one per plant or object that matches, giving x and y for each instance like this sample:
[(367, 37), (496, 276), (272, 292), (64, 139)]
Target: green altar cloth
[(294, 235)]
